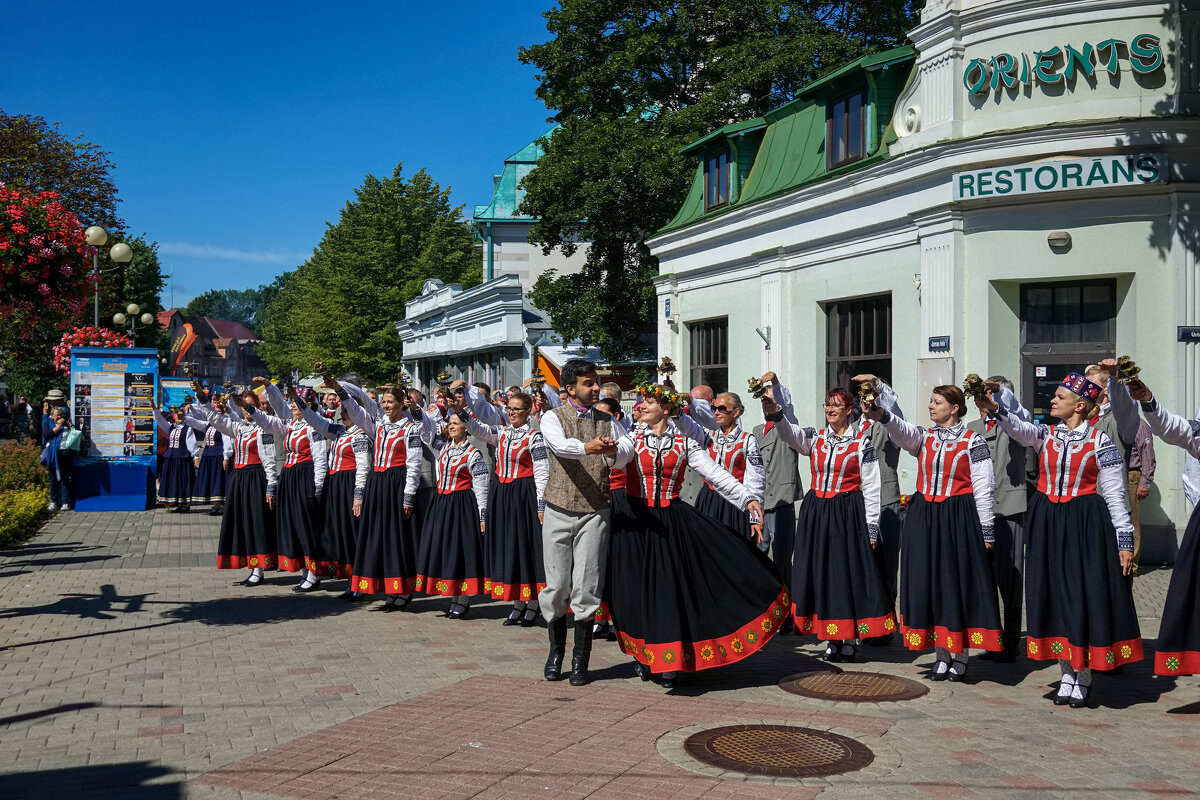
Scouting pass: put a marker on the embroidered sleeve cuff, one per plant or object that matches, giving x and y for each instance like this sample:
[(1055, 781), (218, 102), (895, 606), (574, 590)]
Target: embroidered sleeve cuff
[(343, 395), (358, 493), (778, 415), (1151, 406), (1125, 540), (541, 506), (410, 500), (270, 491), (989, 534), (886, 418), (873, 532)]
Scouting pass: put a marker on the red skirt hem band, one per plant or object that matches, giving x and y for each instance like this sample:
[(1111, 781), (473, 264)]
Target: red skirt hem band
[(447, 587), (954, 641), (841, 629), (1056, 648), (512, 591), (288, 564), (395, 585), (1173, 663), (709, 653), (263, 560)]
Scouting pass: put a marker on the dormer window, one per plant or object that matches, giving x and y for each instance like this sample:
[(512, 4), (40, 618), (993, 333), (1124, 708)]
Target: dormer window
[(845, 130), (716, 180)]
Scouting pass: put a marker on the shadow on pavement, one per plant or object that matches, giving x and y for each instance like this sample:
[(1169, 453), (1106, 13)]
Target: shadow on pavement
[(251, 609), (87, 606), (66, 708), (127, 780)]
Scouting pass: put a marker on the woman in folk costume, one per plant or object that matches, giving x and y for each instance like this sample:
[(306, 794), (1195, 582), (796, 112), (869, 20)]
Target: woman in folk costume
[(1177, 651), (178, 465), (345, 483), (837, 592), (948, 596), (450, 554), (687, 592), (298, 500), (1079, 537), (248, 525), (513, 559), (216, 459), (386, 557), (736, 450)]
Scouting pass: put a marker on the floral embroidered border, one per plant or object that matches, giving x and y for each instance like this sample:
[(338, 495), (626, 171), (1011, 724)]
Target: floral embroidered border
[(840, 629), (709, 653), (955, 641), (512, 591), (288, 564), (1177, 662), (447, 587), (264, 560), (1048, 648), (327, 569), (393, 585)]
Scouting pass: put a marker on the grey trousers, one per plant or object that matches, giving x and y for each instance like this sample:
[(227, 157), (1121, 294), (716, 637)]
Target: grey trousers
[(1008, 568), (575, 551), (779, 530)]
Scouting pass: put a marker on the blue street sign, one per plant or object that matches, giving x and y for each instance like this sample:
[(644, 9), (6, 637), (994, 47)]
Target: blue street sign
[(1189, 333), (939, 344), (667, 305)]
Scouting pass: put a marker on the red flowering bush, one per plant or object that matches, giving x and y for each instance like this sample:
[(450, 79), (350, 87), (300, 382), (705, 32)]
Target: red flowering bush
[(44, 276), (85, 337)]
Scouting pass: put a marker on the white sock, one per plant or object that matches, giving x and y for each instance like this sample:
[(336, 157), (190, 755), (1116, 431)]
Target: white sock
[(941, 667), (257, 572), (1083, 678)]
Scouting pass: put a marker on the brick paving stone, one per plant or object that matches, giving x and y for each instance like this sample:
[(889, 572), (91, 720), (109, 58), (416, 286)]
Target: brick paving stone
[(1163, 789)]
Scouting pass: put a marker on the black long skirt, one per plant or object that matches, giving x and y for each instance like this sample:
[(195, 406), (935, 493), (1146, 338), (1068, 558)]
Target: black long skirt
[(513, 542), (175, 482), (837, 592), (1178, 648), (386, 560), (688, 593), (339, 532), (299, 515), (619, 502), (710, 503), (211, 478), (1077, 603), (947, 592), (248, 526), (450, 554)]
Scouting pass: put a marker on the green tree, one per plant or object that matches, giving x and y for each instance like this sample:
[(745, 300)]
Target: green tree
[(631, 83), (34, 154), (140, 281), (341, 306)]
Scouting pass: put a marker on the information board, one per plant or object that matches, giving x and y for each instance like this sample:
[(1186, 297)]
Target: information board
[(174, 392), (113, 393)]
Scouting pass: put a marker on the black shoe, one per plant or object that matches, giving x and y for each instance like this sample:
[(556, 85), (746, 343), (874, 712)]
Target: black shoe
[(302, 589), (458, 612), (347, 596), (514, 618), (847, 657), (955, 677), (530, 618), (831, 653), (581, 654), (556, 630), (934, 675), (667, 681), (641, 670), (252, 581), (1079, 696), (1061, 699), (215, 511)]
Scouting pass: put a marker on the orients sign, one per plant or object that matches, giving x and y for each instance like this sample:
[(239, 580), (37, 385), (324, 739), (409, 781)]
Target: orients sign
[(1059, 64), (1059, 175)]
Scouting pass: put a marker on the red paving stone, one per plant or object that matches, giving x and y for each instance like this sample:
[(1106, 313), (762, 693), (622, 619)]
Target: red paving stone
[(1186, 742), (1030, 782), (161, 730), (345, 689), (171, 711), (1163, 789), (945, 790), (499, 737)]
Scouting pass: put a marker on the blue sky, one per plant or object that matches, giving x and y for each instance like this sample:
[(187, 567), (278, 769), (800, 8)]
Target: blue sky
[(239, 129)]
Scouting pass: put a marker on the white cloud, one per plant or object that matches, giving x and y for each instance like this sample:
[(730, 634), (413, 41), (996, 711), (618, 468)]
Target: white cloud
[(191, 250)]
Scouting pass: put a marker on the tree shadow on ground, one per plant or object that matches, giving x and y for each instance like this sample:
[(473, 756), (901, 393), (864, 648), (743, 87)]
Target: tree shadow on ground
[(39, 548), (251, 609), (85, 606), (127, 780)]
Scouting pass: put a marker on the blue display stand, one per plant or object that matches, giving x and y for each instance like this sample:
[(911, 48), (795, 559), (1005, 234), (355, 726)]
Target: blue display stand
[(102, 485)]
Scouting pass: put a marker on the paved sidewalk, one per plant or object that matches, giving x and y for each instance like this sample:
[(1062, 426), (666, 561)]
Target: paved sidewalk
[(131, 668)]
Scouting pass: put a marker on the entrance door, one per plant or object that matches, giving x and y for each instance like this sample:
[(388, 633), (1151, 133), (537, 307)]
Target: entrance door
[(1064, 327)]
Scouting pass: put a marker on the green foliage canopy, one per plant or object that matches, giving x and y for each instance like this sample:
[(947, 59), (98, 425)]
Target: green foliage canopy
[(633, 82), (341, 306)]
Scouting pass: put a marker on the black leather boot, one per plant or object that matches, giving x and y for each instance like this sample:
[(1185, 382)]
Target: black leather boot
[(581, 654), (557, 630)]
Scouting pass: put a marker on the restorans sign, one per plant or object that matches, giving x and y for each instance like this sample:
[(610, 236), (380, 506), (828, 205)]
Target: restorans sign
[(1061, 175)]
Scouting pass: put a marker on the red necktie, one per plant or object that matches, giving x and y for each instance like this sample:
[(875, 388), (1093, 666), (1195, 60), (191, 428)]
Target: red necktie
[(991, 423), (767, 428)]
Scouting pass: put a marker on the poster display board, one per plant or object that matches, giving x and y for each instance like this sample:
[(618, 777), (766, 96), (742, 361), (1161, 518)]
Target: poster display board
[(113, 391), (174, 392)]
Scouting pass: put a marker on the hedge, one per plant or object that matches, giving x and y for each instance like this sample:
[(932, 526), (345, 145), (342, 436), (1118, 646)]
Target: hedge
[(23, 491)]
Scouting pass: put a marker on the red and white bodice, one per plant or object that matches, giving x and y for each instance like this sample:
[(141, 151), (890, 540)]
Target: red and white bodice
[(346, 449), (296, 446), (944, 462), (837, 461), (454, 467), (616, 479), (392, 443), (1070, 461), (246, 451), (514, 452), (655, 473), (738, 454)]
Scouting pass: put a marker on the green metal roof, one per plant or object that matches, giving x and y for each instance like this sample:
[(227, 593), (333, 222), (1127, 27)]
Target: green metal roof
[(792, 150), (508, 194)]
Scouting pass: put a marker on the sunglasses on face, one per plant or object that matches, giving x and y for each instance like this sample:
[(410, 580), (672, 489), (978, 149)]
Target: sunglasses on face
[(723, 409), (515, 410), (832, 407)]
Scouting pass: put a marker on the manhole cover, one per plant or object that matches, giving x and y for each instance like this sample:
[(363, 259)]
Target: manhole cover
[(780, 751), (854, 687)]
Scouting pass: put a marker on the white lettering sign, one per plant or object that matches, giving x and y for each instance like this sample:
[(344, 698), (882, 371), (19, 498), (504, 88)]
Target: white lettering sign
[(1060, 175)]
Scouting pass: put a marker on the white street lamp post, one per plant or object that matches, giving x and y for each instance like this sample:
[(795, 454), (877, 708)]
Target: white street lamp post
[(96, 237), (132, 310)]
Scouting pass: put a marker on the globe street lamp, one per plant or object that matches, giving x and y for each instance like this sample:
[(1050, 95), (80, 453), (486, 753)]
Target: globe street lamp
[(96, 237), (132, 310)]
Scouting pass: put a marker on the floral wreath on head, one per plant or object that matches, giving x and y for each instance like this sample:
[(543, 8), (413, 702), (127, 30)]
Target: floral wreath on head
[(662, 394)]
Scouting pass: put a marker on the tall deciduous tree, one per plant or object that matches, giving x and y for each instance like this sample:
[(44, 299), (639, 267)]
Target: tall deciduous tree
[(36, 155), (632, 82), (247, 306), (140, 281), (341, 306)]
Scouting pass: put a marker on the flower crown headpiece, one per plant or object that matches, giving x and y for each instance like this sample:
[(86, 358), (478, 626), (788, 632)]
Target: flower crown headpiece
[(659, 392)]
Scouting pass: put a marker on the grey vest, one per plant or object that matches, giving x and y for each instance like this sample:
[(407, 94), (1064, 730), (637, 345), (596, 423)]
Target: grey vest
[(1009, 461), (579, 485), (1108, 424), (782, 465), (889, 460)]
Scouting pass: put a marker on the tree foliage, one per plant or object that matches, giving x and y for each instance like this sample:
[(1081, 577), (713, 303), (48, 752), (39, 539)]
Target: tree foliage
[(140, 281), (341, 306), (36, 155), (247, 306), (633, 82)]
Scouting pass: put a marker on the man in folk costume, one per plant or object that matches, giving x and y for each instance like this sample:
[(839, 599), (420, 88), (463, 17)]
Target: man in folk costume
[(575, 527), (782, 467)]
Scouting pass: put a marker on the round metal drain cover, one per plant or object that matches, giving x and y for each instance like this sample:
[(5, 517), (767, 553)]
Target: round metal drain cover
[(854, 687), (780, 751)]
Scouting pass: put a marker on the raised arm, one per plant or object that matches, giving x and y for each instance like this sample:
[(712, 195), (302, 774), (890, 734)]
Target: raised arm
[(720, 479), (790, 431), (362, 397), (1005, 398), (1024, 433), (487, 413), (701, 412), (1172, 428), (323, 427), (983, 485), (221, 422), (692, 430), (276, 399), (268, 422), (1124, 411), (484, 433), (194, 419), (358, 415), (906, 435), (164, 427)]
